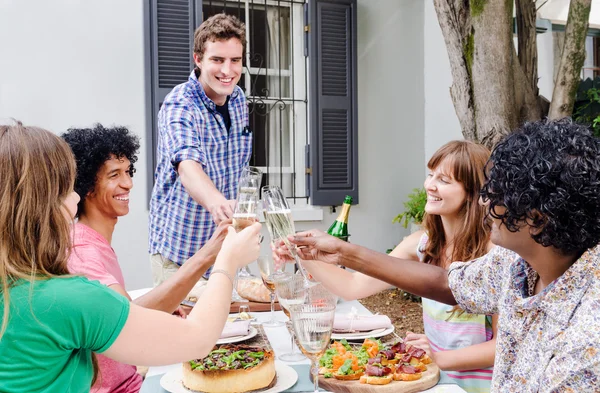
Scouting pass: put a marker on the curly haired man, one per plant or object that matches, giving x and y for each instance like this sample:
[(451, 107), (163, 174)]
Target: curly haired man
[(105, 165), (543, 278)]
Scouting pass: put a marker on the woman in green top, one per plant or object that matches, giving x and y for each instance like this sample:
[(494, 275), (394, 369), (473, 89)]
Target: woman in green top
[(51, 322)]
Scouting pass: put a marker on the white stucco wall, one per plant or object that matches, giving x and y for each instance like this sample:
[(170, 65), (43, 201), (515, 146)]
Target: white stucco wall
[(73, 63)]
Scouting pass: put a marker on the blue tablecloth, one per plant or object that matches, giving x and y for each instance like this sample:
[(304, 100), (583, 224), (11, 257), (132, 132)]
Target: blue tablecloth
[(152, 384)]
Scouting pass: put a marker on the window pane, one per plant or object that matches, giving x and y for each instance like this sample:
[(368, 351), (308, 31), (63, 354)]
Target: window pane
[(271, 124)]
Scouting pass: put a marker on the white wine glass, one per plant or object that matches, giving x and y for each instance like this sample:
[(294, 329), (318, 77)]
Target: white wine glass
[(313, 324), (244, 214), (280, 224), (269, 273), (291, 290)]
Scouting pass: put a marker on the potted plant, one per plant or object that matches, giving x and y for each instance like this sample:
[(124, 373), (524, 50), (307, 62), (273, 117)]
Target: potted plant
[(414, 209)]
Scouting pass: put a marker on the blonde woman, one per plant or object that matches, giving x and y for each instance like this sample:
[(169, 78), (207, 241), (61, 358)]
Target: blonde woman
[(53, 322)]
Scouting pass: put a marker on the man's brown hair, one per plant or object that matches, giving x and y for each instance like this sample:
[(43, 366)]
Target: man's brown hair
[(220, 27)]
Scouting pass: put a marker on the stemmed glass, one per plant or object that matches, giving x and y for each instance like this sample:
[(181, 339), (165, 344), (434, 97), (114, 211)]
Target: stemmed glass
[(245, 211), (280, 224), (290, 290), (313, 324), (270, 273)]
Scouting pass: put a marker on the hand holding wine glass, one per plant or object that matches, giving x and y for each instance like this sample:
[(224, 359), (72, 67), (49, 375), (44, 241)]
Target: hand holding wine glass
[(280, 224), (239, 249)]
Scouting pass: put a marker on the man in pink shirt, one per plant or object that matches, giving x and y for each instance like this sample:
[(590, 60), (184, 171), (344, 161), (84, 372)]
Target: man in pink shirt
[(105, 164)]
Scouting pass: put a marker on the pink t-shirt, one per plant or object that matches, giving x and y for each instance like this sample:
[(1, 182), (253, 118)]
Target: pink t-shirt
[(94, 258)]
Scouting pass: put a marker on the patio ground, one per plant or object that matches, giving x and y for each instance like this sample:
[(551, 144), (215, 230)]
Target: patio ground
[(404, 313)]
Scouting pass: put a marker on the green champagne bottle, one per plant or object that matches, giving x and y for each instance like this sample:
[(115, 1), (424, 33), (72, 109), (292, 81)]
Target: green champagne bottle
[(339, 228)]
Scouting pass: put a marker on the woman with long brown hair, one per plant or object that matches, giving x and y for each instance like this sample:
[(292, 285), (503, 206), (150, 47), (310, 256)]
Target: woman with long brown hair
[(52, 322), (454, 229)]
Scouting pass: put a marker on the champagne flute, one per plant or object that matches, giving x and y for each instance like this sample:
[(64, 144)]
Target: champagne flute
[(280, 224), (313, 324), (269, 273), (291, 290), (244, 215), (250, 180)]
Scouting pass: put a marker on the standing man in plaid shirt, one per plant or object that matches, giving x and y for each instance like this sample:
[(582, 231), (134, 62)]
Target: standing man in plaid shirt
[(204, 142)]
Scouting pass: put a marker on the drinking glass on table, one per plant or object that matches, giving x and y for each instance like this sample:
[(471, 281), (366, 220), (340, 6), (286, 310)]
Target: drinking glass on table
[(290, 290), (280, 223), (313, 324), (270, 273)]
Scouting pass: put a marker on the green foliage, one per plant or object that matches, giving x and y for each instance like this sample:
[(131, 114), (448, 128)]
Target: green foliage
[(587, 105), (414, 208)]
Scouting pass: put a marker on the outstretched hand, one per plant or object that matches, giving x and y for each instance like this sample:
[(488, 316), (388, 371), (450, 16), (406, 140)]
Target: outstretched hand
[(310, 245)]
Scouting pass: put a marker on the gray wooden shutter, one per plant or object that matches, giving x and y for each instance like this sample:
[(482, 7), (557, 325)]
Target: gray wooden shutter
[(333, 101), (171, 25)]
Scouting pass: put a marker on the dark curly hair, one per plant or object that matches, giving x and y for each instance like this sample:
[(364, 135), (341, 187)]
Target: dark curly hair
[(547, 174), (92, 147)]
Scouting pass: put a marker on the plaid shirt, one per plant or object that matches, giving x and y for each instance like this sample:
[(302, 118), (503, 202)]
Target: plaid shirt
[(190, 128)]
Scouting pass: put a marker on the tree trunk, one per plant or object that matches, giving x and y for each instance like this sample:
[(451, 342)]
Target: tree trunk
[(453, 17), (527, 41), (492, 71), (571, 60)]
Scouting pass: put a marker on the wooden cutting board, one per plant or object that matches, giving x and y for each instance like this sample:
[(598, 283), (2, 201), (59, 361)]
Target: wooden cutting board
[(254, 306), (429, 379)]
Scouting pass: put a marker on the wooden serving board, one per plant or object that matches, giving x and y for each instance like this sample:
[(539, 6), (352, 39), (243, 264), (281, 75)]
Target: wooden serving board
[(429, 379), (254, 306)]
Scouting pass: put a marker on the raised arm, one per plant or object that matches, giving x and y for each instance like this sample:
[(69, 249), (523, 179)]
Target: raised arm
[(414, 277), (154, 338), (356, 285), (203, 191), (168, 295)]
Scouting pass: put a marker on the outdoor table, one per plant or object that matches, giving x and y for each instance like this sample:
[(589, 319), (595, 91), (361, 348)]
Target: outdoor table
[(279, 339)]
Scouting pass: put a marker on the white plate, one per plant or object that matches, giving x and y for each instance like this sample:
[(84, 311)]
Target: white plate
[(237, 339), (286, 378), (362, 335)]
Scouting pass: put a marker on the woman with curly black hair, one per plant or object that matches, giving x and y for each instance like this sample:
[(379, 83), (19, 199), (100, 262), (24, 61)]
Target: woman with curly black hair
[(543, 278), (105, 165)]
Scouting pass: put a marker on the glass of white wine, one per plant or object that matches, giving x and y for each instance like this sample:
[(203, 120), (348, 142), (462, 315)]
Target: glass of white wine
[(250, 180), (244, 214), (280, 223), (291, 290), (269, 273), (313, 324)]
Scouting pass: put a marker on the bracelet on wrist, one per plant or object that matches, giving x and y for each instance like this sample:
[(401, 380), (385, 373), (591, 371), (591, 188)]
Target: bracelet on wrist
[(225, 272)]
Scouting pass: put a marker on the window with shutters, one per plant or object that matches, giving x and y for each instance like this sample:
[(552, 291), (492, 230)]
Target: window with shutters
[(277, 86)]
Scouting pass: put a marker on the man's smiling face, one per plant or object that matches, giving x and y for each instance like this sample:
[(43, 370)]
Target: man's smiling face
[(220, 68), (111, 191)]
